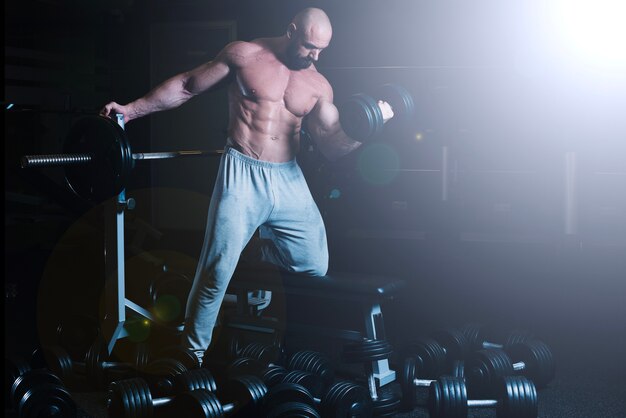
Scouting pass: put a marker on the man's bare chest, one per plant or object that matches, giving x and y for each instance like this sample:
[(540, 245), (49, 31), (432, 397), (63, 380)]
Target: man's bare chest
[(296, 90)]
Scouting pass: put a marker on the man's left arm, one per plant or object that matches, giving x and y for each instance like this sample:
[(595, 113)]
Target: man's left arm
[(322, 123)]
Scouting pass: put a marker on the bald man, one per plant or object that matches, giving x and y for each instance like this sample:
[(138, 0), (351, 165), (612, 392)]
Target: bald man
[(273, 86)]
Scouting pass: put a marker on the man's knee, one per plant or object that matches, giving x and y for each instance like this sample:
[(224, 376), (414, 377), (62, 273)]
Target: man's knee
[(312, 267)]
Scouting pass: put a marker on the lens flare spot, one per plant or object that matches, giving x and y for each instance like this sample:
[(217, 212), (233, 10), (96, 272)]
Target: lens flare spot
[(167, 308), (378, 164), (138, 329), (334, 194)]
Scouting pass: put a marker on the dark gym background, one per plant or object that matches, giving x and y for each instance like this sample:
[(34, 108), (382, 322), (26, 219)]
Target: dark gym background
[(505, 203)]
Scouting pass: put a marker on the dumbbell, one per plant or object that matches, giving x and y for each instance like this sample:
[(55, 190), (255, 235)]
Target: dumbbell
[(270, 374), (134, 398), (342, 399), (454, 344), (95, 367), (486, 367), (40, 393), (14, 366), (242, 397), (313, 362), (414, 383), (516, 398), (309, 368), (477, 337), (361, 118), (429, 356)]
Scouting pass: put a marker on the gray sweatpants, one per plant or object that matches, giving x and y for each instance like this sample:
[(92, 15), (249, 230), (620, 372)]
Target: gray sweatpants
[(251, 194)]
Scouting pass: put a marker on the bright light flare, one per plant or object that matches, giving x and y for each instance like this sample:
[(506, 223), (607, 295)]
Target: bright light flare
[(595, 30)]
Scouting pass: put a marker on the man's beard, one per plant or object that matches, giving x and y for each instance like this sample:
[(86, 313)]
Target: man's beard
[(295, 62)]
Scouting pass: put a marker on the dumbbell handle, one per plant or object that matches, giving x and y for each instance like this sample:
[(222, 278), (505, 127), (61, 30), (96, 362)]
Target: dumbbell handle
[(422, 382), (487, 345), (520, 365), (481, 403)]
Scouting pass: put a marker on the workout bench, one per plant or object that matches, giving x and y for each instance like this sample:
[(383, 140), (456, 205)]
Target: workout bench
[(367, 291)]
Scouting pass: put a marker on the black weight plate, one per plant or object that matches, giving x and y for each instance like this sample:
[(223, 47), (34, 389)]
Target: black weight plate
[(538, 360), (346, 399), (109, 170), (47, 400), (518, 398), (361, 117), (293, 410)]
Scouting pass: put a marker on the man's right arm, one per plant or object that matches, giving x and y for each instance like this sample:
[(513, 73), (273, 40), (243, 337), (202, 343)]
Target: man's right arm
[(176, 90)]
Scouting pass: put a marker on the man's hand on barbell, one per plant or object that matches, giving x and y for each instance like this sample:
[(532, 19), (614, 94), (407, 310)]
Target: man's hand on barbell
[(112, 108)]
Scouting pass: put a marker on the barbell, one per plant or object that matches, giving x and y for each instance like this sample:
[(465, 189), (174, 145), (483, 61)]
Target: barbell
[(98, 159)]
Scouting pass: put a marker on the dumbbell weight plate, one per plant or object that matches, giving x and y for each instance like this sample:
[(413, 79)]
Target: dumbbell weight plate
[(293, 410), (47, 400), (361, 117), (485, 369), (346, 399), (287, 392), (130, 398), (430, 357), (313, 383), (366, 351), (448, 398), (518, 398), (538, 360), (29, 380), (314, 362), (388, 403), (13, 368)]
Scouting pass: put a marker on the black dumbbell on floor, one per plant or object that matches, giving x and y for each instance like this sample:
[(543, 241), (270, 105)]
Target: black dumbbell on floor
[(133, 398), (313, 362), (40, 393), (343, 399), (454, 343), (516, 398), (478, 337), (271, 374), (533, 359), (95, 368), (415, 383)]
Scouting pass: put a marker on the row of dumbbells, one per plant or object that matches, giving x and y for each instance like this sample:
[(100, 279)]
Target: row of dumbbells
[(445, 368), (256, 383)]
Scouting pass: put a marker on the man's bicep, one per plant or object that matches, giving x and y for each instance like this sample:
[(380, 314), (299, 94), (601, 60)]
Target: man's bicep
[(324, 120), (207, 75)]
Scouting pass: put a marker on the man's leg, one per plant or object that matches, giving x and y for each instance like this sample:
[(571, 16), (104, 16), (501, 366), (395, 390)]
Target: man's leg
[(238, 205), (295, 234)]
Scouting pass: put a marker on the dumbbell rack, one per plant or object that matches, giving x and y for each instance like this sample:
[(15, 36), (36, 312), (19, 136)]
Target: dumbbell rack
[(114, 269)]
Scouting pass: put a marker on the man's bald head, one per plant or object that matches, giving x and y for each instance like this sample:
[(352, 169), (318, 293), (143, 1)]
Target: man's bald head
[(309, 33), (313, 21)]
